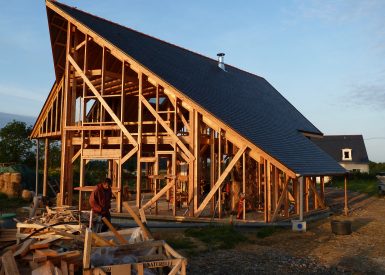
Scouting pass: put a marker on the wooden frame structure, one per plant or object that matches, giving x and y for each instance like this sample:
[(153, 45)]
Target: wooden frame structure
[(105, 105)]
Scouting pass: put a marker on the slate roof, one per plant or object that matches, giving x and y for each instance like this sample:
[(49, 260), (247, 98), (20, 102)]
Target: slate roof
[(333, 145), (245, 102)]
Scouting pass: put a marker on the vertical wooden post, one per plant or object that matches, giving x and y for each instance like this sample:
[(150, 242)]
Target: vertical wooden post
[(45, 174), (191, 165), (197, 143), (66, 162), (263, 178), (244, 184), (120, 187), (296, 195), (306, 181), (139, 153), (268, 183), (316, 203), (37, 168), (301, 182), (322, 189), (346, 209), (219, 172), (81, 182), (286, 179), (276, 186), (212, 169), (174, 178)]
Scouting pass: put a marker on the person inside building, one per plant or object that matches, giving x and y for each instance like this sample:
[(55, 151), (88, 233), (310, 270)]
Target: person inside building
[(100, 201)]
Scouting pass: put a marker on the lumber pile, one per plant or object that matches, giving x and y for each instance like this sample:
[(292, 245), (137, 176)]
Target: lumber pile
[(57, 243)]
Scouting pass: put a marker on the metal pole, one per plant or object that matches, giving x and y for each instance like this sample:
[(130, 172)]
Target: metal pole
[(37, 168), (301, 198)]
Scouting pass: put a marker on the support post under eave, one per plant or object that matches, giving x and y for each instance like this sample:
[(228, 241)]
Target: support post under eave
[(301, 198), (46, 156), (37, 168), (346, 209)]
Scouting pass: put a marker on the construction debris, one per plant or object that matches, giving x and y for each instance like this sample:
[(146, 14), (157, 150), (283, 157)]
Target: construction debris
[(60, 242)]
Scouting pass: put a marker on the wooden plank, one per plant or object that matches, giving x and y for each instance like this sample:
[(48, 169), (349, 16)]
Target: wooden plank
[(220, 180), (145, 231), (99, 241), (317, 196), (278, 206), (45, 243), (64, 267), (121, 269), (23, 250), (158, 195), (87, 249), (9, 263), (175, 269), (46, 269), (114, 231)]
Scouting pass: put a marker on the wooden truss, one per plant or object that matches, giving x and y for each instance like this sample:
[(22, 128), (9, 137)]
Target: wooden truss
[(105, 105)]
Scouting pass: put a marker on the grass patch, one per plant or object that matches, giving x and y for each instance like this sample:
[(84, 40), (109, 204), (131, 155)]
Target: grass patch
[(266, 232), (180, 243), (10, 205), (217, 237), (362, 185)]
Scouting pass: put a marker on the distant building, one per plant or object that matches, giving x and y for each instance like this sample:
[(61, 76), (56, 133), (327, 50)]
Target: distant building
[(348, 150)]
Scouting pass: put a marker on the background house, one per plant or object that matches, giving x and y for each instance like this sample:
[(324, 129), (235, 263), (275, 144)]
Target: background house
[(348, 150)]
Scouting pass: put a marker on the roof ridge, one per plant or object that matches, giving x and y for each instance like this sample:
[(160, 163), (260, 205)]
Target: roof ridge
[(153, 37)]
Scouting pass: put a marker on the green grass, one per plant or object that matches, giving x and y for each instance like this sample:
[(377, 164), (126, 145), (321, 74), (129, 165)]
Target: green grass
[(10, 205), (180, 243), (368, 186), (217, 237), (266, 232)]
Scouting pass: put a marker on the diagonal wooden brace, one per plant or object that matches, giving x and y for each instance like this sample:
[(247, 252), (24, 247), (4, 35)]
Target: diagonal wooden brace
[(102, 101), (158, 195), (220, 180), (317, 195), (167, 128), (278, 206)]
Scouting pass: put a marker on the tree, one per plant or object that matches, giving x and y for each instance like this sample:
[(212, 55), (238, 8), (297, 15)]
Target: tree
[(15, 145)]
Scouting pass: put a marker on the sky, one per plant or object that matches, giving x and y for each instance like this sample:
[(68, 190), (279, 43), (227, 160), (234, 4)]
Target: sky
[(326, 57)]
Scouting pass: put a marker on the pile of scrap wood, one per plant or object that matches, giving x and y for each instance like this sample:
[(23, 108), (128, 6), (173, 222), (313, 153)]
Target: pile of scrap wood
[(54, 244)]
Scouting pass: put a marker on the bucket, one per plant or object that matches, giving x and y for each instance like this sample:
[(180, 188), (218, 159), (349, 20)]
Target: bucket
[(341, 227)]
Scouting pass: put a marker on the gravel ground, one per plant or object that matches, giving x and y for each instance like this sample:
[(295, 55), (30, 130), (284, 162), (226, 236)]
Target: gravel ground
[(317, 251)]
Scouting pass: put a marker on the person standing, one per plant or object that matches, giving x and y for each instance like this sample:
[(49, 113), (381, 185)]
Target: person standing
[(100, 201)]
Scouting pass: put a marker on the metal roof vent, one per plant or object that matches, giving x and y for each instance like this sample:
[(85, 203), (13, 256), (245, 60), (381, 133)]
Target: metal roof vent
[(221, 63)]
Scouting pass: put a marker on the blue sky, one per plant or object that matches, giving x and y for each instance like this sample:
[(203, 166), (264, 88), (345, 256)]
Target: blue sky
[(326, 57)]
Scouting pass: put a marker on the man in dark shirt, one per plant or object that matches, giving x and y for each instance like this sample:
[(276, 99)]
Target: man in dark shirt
[(100, 201)]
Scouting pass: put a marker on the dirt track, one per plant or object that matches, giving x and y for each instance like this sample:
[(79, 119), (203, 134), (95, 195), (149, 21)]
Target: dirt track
[(318, 251)]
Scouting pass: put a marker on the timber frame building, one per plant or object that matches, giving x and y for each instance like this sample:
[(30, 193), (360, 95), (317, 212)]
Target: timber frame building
[(200, 134)]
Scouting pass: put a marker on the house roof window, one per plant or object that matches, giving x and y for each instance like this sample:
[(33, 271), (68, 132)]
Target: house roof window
[(347, 154)]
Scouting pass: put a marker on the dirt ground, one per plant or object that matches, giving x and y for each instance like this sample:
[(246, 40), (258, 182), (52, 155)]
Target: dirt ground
[(317, 251)]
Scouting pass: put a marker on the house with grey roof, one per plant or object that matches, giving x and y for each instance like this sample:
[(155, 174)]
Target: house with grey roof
[(348, 150)]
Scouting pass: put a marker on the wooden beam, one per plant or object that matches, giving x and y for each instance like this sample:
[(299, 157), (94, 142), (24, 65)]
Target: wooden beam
[(114, 231), (146, 233), (102, 101), (45, 174), (280, 200), (158, 195), (317, 195), (167, 128), (87, 249), (220, 181)]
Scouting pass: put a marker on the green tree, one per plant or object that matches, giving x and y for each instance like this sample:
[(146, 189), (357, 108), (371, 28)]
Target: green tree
[(15, 145)]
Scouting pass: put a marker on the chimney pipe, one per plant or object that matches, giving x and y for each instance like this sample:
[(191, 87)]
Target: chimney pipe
[(221, 63)]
